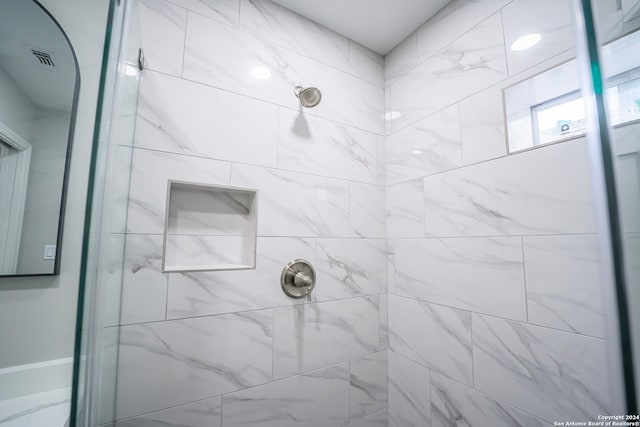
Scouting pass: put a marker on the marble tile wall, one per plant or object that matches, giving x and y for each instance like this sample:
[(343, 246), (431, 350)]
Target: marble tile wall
[(494, 305), (217, 106), (437, 254)]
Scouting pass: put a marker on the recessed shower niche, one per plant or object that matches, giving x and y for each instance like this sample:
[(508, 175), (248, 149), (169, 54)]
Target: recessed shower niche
[(209, 227)]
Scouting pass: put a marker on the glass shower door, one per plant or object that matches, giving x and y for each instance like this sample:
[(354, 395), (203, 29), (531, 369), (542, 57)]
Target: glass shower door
[(610, 55)]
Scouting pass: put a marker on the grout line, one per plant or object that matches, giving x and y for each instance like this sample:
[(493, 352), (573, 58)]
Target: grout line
[(524, 322), (524, 277), (184, 45)]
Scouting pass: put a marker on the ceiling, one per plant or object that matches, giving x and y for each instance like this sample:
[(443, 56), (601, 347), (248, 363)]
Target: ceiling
[(377, 24)]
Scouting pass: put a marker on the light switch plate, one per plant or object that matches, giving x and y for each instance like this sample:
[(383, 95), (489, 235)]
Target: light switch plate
[(49, 252)]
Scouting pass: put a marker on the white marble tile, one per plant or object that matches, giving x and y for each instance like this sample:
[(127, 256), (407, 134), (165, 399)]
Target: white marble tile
[(405, 209), (377, 419), (205, 413), (408, 393), (279, 25), (426, 147), (150, 173), (454, 404), (184, 117), (37, 409), (162, 27), (479, 274), (108, 376), (111, 293), (469, 64), (243, 63), (314, 399), (368, 385), (225, 11), (349, 268), (120, 177), (349, 100), (366, 64), (192, 359), (367, 210), (391, 266), (402, 59), (319, 146), (144, 286), (195, 252), (482, 126), (543, 191), (396, 419), (452, 22), (442, 341), (563, 283), (296, 204), (384, 322), (524, 17), (216, 292), (551, 374), (311, 336)]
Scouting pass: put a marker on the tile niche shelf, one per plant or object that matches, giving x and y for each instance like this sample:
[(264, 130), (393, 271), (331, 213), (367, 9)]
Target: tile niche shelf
[(209, 227)]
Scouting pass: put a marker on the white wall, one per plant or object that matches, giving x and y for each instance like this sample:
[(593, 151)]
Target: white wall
[(37, 314), (234, 338), (494, 255)]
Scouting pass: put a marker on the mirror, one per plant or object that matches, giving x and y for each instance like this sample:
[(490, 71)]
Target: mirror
[(39, 82)]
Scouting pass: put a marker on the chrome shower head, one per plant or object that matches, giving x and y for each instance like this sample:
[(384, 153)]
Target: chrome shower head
[(309, 97)]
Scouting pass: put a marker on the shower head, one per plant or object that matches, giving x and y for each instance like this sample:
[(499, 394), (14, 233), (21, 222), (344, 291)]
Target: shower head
[(309, 97)]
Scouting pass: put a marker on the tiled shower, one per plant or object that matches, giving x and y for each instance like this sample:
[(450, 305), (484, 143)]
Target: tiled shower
[(459, 270), (456, 283)]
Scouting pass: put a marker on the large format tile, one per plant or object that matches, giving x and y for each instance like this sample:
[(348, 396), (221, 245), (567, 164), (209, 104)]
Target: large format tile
[(368, 385), (524, 17), (349, 100), (377, 419), (243, 63), (205, 413), (405, 209), (551, 374), (367, 210), (453, 404), (225, 11), (384, 322), (350, 267), (311, 336), (296, 204), (162, 26), (543, 191), (453, 21), (474, 61), (279, 25), (482, 126), (150, 173), (144, 286), (478, 274), (366, 64), (423, 148), (563, 283), (402, 59), (315, 145), (215, 292), (192, 359), (314, 399), (408, 393), (442, 341), (184, 117)]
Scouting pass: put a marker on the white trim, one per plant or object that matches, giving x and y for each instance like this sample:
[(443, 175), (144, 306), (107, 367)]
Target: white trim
[(14, 216)]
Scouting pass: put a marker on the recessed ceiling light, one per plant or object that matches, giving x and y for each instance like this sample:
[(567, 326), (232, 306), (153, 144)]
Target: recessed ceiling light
[(526, 42), (416, 151)]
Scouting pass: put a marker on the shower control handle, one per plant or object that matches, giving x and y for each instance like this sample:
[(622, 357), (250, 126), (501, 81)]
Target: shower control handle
[(298, 279)]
